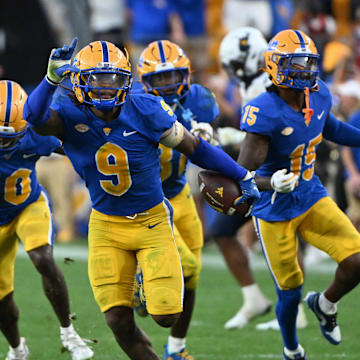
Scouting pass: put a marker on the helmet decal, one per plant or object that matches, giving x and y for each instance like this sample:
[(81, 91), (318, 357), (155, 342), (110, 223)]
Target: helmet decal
[(8, 103)]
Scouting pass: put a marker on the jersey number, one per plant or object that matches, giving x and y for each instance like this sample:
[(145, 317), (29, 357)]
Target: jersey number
[(18, 186), (310, 156), (111, 160), (250, 114), (166, 155)]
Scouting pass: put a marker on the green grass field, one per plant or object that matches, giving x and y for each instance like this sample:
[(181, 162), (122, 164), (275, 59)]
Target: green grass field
[(218, 298)]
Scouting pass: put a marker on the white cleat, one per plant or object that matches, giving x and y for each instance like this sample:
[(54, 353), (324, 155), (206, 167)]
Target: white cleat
[(76, 346), (301, 322), (20, 353), (247, 313)]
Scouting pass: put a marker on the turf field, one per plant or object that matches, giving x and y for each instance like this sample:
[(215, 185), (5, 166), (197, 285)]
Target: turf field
[(218, 299)]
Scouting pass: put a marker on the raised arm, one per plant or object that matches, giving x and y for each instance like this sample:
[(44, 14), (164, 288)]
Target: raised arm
[(37, 107)]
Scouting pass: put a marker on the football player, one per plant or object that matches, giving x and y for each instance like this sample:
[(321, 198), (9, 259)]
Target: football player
[(164, 70), (112, 138), (242, 56), (25, 215), (284, 127)]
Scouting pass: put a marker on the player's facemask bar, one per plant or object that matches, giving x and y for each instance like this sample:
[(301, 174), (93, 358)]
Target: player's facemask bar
[(9, 139), (297, 71), (170, 84), (104, 89)]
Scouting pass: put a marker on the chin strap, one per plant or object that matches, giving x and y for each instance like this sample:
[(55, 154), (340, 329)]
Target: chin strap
[(308, 112)]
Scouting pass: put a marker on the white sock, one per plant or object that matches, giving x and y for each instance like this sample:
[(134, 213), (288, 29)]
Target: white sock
[(175, 345), (327, 306), (67, 330), (252, 293), (17, 348)]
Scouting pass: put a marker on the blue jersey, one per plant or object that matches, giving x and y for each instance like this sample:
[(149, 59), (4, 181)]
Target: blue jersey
[(202, 104), (292, 146), (18, 176), (119, 160)]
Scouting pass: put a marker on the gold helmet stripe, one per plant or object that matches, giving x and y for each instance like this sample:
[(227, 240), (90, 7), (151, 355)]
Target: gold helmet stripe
[(8, 103)]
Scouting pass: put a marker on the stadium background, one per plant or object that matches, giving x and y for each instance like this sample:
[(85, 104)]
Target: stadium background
[(29, 29)]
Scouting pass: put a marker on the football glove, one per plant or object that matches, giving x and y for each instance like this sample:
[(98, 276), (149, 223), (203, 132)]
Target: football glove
[(282, 182), (202, 129), (250, 192), (59, 63)]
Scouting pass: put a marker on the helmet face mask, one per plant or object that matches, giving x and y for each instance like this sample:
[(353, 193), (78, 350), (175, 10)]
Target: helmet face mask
[(12, 125), (292, 60), (168, 83), (164, 70), (104, 76)]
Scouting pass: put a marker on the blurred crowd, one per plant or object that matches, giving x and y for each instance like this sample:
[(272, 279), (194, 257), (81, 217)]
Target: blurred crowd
[(29, 29)]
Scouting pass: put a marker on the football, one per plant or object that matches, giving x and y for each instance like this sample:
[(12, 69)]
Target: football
[(220, 192)]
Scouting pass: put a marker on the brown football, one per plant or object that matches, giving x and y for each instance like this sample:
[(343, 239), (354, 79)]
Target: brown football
[(220, 191)]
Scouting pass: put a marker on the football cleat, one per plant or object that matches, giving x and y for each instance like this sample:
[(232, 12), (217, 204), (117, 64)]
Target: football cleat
[(20, 353), (299, 355), (139, 294), (328, 325), (181, 355), (76, 346), (247, 313)]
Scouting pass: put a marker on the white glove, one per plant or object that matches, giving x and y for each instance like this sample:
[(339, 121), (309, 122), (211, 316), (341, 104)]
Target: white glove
[(202, 129), (230, 136), (282, 182)]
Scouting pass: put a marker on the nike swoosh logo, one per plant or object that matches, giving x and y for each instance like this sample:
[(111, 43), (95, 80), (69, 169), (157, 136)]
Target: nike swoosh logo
[(152, 226), (25, 156), (129, 133), (320, 115)]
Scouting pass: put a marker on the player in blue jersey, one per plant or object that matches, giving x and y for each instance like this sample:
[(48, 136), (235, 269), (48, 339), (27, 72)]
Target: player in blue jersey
[(164, 70), (284, 127), (25, 215), (111, 138)]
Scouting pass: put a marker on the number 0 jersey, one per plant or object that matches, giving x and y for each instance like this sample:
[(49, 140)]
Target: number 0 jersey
[(293, 143), (118, 161), (18, 182)]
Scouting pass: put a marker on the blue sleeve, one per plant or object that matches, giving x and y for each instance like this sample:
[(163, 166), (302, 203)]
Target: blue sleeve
[(354, 119), (207, 105), (212, 158), (36, 110), (51, 144), (340, 132), (254, 120)]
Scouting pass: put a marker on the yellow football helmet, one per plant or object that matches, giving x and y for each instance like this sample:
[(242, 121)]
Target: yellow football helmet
[(104, 75), (292, 59), (164, 70), (12, 124)]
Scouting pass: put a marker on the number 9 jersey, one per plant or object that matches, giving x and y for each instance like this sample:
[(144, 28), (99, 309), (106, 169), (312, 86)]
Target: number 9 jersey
[(293, 143), (117, 159)]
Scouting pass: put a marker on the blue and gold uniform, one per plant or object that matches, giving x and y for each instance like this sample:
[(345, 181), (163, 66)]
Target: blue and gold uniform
[(24, 205), (164, 70), (120, 158), (307, 209), (187, 225)]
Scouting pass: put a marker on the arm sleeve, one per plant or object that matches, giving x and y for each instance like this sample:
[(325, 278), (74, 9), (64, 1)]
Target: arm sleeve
[(212, 158), (340, 132), (37, 106)]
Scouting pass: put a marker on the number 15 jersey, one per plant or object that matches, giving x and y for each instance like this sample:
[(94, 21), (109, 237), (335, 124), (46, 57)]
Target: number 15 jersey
[(293, 143)]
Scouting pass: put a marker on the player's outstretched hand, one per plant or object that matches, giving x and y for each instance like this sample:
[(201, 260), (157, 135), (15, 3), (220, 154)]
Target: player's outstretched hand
[(282, 182), (59, 62)]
